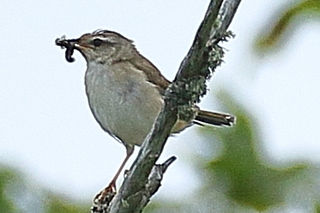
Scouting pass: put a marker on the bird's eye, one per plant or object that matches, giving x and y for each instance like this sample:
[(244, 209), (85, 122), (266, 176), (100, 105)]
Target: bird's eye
[(97, 42)]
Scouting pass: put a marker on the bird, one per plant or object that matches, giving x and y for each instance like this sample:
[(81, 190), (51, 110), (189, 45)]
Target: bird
[(125, 90)]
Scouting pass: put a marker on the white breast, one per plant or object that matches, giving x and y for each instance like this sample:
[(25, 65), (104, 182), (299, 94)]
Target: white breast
[(122, 101)]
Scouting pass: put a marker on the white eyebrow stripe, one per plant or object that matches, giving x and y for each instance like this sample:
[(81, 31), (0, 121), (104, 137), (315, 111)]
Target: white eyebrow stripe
[(106, 39)]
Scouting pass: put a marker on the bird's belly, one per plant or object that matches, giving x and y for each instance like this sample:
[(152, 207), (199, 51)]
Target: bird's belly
[(126, 111)]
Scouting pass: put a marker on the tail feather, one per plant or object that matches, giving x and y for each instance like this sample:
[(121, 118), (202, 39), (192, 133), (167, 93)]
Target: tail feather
[(215, 118)]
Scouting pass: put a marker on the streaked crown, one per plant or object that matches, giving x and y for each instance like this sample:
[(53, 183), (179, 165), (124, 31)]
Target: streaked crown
[(103, 45)]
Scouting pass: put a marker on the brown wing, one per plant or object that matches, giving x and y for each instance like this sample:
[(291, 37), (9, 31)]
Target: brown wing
[(151, 71), (155, 77)]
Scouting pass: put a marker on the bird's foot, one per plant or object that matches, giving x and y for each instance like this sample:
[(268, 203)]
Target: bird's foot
[(102, 200)]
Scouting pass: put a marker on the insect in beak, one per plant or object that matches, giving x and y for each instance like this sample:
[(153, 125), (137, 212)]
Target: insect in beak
[(69, 44)]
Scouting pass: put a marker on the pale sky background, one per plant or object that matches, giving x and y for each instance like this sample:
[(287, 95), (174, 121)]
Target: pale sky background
[(47, 130)]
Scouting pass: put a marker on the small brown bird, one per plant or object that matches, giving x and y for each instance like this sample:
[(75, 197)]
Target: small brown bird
[(125, 90)]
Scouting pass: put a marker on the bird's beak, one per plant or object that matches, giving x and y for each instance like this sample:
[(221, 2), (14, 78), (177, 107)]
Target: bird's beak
[(70, 45)]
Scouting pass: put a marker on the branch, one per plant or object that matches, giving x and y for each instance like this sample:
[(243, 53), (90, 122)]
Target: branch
[(187, 88)]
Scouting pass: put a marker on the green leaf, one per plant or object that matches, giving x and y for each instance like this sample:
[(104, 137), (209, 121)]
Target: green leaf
[(56, 204), (241, 171), (6, 177), (272, 38)]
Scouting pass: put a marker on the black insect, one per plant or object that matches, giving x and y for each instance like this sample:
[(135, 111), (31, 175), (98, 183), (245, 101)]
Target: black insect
[(69, 45)]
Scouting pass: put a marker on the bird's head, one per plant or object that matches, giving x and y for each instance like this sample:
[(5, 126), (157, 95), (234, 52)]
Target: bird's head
[(100, 46)]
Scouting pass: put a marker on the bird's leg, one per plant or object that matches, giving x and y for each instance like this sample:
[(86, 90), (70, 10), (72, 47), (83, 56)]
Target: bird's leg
[(130, 150), (106, 195)]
